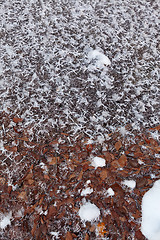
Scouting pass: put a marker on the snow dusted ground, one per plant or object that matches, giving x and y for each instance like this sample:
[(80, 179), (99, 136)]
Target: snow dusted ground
[(80, 66)]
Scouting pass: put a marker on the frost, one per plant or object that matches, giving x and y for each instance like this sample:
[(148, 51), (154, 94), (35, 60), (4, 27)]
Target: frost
[(5, 220), (99, 59)]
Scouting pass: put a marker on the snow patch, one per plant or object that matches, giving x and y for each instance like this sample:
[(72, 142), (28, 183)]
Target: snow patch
[(98, 162), (54, 235), (89, 212), (98, 59), (150, 225), (110, 192), (129, 183), (86, 191), (5, 220)]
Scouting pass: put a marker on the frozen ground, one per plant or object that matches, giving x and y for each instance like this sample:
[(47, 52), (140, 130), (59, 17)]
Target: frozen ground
[(52, 77)]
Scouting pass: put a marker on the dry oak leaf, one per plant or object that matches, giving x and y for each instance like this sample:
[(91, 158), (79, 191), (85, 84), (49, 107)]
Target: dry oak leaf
[(118, 145), (53, 160), (104, 174), (155, 128), (11, 149), (86, 237), (17, 120), (68, 236), (101, 229), (115, 164), (22, 195), (122, 160)]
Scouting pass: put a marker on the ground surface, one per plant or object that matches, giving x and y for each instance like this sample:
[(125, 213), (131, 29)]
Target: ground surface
[(59, 108)]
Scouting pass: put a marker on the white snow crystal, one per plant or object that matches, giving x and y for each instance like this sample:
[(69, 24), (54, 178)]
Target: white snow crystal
[(150, 225), (89, 212), (100, 59), (110, 192), (1, 146), (129, 183), (5, 221), (86, 191), (98, 162), (54, 235)]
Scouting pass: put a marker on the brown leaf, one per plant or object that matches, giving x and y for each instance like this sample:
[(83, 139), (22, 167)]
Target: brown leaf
[(101, 229), (155, 128), (22, 195), (68, 236), (141, 182), (118, 145), (30, 181), (115, 164), (2, 180), (24, 139), (73, 175), (51, 211), (11, 149), (17, 120), (46, 177), (86, 237), (80, 175), (104, 174), (53, 160), (122, 160)]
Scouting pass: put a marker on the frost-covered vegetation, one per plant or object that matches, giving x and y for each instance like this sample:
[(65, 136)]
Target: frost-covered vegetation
[(49, 79)]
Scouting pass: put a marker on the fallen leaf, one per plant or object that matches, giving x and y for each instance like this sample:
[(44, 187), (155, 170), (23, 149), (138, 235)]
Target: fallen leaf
[(86, 237), (11, 149), (68, 236), (2, 180), (17, 120), (155, 128), (104, 174), (115, 164), (118, 145), (53, 160), (24, 139), (122, 160), (101, 229), (46, 177), (22, 195)]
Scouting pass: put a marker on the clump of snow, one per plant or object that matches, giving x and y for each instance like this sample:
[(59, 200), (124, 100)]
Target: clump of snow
[(98, 162), (5, 220), (110, 192), (100, 60), (140, 162), (54, 235), (129, 183), (86, 191), (150, 225), (89, 212), (1, 146)]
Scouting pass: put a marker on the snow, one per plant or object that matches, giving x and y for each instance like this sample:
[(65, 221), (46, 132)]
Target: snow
[(150, 225), (129, 183), (110, 192), (99, 59), (54, 235), (98, 162), (86, 191), (5, 220), (89, 212)]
